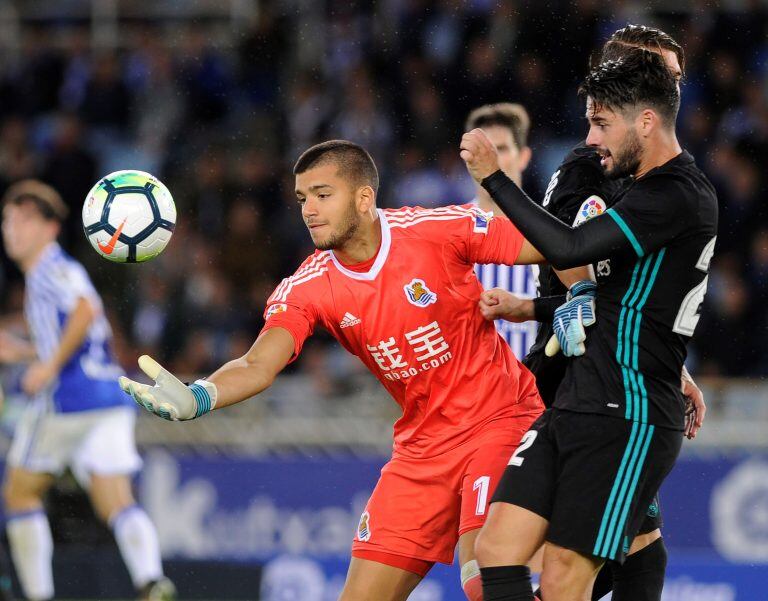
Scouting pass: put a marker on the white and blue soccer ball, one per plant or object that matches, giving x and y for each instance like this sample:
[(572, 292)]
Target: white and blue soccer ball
[(129, 216)]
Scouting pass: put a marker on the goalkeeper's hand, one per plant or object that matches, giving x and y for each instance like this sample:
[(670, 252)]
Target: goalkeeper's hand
[(170, 398), (571, 318)]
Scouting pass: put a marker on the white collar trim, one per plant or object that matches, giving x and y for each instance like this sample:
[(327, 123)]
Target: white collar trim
[(386, 242)]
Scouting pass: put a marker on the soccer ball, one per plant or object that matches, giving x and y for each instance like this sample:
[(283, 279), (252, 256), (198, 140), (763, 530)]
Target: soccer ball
[(129, 216)]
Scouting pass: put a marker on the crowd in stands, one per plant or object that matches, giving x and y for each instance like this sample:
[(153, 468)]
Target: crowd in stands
[(221, 117)]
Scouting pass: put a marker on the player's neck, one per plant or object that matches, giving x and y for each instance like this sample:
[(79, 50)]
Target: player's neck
[(28, 263), (659, 152), (364, 244)]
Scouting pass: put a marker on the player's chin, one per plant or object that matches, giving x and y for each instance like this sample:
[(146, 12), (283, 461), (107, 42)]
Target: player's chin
[(322, 242)]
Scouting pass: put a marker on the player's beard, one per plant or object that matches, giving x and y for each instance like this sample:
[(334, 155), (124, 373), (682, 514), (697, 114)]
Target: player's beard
[(626, 159), (347, 229)]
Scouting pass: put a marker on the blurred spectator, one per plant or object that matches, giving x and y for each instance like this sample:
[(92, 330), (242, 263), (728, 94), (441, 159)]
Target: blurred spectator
[(261, 54), (363, 118), (39, 75), (107, 100), (205, 79), (248, 253), (17, 161), (70, 168), (724, 324)]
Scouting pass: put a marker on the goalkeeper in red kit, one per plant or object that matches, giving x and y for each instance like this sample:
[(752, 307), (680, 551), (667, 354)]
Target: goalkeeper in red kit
[(397, 288)]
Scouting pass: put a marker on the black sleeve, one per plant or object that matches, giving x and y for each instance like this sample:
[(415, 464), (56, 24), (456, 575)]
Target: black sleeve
[(563, 246), (544, 307), (573, 184), (653, 212)]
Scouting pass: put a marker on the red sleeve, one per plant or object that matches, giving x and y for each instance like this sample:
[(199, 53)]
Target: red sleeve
[(487, 239), (290, 309)]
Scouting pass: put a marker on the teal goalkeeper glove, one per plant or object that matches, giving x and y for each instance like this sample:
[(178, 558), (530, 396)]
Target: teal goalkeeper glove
[(170, 398), (571, 318)]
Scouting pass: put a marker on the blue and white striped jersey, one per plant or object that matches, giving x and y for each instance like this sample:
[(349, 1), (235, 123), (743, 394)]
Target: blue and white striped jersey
[(520, 280), (88, 380)]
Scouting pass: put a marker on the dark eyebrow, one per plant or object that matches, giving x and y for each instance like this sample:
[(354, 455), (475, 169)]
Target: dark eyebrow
[(594, 119)]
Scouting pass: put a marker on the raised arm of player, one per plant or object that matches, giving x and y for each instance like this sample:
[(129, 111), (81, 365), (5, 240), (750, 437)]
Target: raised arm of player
[(563, 246), (235, 381)]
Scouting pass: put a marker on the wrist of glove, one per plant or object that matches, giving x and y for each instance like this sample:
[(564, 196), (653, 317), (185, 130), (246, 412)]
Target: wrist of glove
[(170, 398), (205, 396), (570, 319), (582, 288)]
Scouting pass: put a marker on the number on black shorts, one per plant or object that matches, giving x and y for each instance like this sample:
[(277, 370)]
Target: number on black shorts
[(525, 442)]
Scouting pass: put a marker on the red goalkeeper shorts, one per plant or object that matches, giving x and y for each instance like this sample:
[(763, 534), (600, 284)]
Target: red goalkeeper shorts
[(421, 506)]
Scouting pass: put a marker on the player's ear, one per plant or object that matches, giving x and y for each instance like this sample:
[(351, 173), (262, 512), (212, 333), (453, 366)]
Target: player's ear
[(524, 157), (366, 199), (648, 121), (54, 227)]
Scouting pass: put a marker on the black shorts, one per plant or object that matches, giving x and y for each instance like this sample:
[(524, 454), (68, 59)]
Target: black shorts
[(593, 477), (652, 517)]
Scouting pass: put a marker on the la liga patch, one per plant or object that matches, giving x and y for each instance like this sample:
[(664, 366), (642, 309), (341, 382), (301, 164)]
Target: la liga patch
[(592, 207)]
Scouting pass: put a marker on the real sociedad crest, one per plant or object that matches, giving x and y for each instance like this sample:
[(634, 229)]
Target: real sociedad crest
[(364, 527), (418, 294)]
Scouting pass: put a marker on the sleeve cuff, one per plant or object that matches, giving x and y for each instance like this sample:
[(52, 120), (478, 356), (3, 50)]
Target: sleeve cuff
[(496, 180), (544, 307)]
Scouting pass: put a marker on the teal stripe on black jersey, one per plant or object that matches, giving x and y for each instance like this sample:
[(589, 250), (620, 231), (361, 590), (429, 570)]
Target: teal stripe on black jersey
[(628, 334), (622, 493), (627, 232), (622, 318), (624, 336), (636, 336)]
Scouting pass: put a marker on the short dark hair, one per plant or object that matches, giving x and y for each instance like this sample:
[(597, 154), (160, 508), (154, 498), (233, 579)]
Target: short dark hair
[(353, 161), (505, 114), (640, 36), (640, 78), (45, 199)]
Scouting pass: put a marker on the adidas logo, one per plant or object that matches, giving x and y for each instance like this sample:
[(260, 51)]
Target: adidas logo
[(349, 320)]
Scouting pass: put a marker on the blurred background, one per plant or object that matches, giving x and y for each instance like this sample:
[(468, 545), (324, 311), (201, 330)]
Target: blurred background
[(218, 98)]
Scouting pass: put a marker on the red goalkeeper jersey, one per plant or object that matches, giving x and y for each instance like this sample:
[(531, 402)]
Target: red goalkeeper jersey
[(412, 318)]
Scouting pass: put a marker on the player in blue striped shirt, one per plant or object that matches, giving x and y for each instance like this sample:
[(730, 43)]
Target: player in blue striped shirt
[(507, 125), (77, 417)]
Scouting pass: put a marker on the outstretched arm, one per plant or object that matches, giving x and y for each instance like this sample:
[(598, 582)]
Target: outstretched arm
[(235, 381), (254, 372)]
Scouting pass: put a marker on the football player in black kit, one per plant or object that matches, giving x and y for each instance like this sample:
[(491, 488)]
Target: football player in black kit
[(578, 190), (585, 474)]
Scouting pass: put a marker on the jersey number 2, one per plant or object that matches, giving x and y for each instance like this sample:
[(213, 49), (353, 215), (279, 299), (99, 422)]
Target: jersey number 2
[(688, 315), (525, 442)]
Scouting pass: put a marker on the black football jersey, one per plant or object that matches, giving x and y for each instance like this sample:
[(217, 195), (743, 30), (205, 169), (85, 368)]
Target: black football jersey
[(577, 191), (648, 298)]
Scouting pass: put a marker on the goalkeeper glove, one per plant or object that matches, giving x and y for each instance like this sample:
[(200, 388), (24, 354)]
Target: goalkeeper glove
[(170, 398), (571, 318)]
